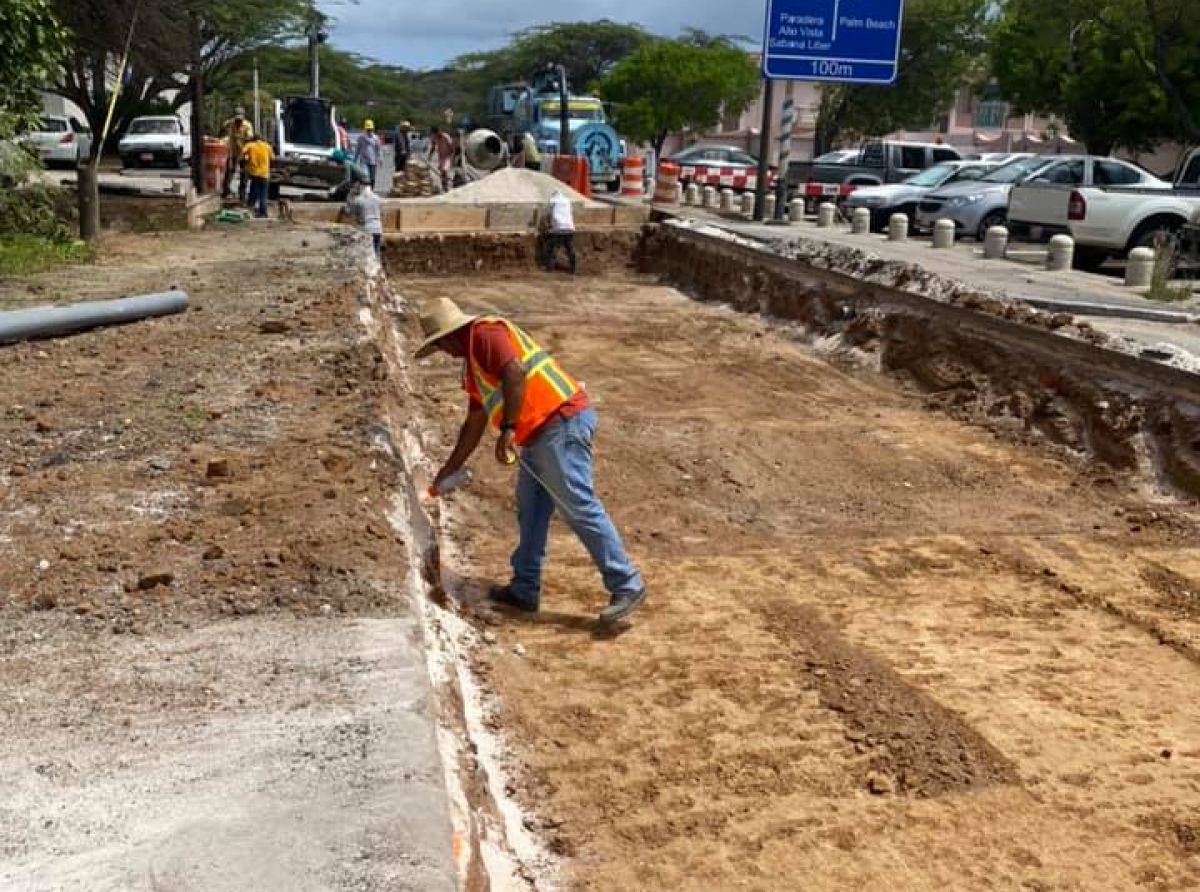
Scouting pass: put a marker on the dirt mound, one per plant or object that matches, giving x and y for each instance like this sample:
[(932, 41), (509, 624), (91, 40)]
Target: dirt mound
[(512, 185)]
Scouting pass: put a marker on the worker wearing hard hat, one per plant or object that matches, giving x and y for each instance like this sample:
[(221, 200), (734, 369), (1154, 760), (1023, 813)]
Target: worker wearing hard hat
[(536, 407), (237, 131), (366, 150), (403, 145)]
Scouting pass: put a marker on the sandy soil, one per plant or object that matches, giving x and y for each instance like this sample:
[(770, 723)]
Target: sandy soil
[(883, 649), (211, 675)]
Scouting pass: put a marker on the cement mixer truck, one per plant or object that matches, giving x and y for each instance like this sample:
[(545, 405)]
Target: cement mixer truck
[(536, 108)]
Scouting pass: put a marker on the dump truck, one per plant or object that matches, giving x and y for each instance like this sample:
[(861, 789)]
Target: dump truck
[(303, 134)]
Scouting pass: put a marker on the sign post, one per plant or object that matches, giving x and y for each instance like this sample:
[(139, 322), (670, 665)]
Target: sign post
[(840, 41), (844, 41)]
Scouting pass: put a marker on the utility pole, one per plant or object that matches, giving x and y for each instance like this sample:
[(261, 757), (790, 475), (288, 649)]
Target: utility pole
[(197, 36), (764, 148), (564, 113), (257, 110), (317, 35)]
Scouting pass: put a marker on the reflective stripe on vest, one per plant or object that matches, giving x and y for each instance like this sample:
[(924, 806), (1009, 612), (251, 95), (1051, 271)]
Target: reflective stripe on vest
[(547, 386)]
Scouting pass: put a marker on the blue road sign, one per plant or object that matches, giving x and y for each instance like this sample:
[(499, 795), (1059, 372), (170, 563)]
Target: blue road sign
[(851, 41)]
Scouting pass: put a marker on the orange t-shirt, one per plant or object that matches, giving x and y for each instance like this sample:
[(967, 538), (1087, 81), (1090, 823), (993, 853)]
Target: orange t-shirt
[(494, 350)]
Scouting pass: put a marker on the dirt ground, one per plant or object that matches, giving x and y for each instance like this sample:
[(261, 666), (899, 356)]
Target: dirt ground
[(883, 649), (211, 675)]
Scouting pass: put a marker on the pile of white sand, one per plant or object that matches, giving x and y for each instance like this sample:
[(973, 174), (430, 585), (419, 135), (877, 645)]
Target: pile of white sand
[(512, 185)]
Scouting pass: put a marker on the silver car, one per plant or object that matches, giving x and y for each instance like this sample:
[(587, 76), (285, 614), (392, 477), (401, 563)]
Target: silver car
[(978, 206), (59, 140), (903, 197)]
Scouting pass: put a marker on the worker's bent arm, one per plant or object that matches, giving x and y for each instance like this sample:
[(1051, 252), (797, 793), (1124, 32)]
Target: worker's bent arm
[(513, 383), (469, 436)]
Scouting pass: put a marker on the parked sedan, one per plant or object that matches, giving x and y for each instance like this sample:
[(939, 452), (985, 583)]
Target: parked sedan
[(714, 161), (904, 197), (976, 207), (59, 140)]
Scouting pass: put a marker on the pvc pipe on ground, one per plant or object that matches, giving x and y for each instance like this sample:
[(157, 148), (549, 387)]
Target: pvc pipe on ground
[(1062, 253), (826, 214), (860, 221), (995, 243), (943, 234), (1139, 271), (898, 228), (48, 322)]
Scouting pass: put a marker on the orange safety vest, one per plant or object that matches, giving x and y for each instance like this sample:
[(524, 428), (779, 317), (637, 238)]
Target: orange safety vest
[(547, 386)]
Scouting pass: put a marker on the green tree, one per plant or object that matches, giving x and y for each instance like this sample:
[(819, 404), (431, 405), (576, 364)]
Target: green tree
[(940, 42), (32, 46), (672, 85), (1086, 62), (1173, 55), (587, 50), (174, 41)]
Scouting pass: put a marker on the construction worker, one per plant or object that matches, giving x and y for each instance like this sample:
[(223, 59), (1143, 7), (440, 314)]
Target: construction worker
[(537, 408), (366, 150), (403, 145), (343, 135), (441, 145), (258, 156), (560, 232), (367, 207), (237, 132), (355, 172)]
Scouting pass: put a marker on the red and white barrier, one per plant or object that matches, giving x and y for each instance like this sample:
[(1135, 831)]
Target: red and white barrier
[(721, 178)]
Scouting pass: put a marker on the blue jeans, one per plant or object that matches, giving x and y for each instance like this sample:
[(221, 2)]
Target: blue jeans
[(562, 457), (258, 195)]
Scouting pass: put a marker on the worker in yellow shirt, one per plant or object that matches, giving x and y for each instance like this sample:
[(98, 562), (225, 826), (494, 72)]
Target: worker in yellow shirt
[(258, 157)]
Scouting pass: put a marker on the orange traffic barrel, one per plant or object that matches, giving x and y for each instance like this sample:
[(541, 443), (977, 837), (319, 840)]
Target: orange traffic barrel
[(633, 171), (666, 186), (216, 154), (573, 170)]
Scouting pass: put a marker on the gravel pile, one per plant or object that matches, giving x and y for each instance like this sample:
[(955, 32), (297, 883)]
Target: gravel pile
[(512, 185)]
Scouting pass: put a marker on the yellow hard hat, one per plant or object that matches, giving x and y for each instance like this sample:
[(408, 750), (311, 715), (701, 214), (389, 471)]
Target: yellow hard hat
[(368, 124)]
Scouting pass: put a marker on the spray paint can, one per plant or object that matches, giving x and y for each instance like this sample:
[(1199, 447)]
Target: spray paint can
[(461, 477)]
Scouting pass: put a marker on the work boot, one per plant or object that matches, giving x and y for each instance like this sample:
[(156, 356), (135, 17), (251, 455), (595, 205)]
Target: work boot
[(621, 606), (503, 594)]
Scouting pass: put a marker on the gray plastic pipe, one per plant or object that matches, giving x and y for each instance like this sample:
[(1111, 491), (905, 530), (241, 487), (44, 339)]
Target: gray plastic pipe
[(48, 322)]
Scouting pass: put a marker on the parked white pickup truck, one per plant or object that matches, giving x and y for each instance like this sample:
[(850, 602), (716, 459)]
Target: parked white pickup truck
[(1111, 221), (1039, 207)]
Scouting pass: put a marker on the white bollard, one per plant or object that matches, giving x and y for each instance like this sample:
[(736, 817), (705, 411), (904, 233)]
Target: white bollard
[(692, 196), (727, 200), (826, 214), (748, 205), (712, 200), (898, 228), (943, 234), (796, 211), (769, 206), (995, 243), (860, 221), (1062, 253), (679, 193), (1139, 271)]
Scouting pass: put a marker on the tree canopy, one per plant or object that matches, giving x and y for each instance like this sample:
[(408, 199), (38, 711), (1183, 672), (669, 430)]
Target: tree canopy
[(1120, 73), (32, 45), (671, 85), (942, 41)]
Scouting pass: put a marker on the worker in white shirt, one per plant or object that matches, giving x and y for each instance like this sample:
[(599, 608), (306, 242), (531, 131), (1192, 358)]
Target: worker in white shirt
[(560, 231), (364, 204)]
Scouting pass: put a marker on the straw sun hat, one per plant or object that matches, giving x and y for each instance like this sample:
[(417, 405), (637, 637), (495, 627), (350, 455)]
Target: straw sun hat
[(439, 318)]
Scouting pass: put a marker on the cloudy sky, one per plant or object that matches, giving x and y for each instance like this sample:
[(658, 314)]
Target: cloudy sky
[(429, 33)]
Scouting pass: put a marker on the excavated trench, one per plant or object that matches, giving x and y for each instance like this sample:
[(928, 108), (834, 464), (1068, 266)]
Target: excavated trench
[(1028, 376), (1031, 375)]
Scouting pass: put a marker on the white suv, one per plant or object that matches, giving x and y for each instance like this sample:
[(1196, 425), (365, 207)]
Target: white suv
[(155, 139)]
